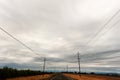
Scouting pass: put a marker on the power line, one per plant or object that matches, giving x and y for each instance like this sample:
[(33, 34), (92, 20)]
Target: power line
[(96, 35), (101, 29), (17, 40)]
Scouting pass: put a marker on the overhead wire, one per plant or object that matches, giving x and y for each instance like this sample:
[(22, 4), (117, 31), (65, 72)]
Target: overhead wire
[(100, 30), (96, 35), (19, 41), (91, 40)]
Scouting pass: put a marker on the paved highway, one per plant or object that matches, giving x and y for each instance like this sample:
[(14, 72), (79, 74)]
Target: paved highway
[(60, 76)]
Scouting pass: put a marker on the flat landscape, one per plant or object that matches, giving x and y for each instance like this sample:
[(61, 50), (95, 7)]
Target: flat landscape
[(59, 40), (37, 77), (66, 76), (91, 77)]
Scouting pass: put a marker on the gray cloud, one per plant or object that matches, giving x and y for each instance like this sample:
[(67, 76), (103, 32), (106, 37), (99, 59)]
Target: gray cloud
[(57, 30)]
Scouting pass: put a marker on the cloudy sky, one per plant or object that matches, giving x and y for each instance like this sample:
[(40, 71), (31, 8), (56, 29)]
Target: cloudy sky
[(57, 30)]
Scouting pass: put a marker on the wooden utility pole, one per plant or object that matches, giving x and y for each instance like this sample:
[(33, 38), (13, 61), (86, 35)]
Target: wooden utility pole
[(67, 68), (55, 69), (44, 65), (79, 62)]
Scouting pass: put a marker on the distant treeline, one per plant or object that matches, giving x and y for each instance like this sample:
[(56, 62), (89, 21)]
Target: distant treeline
[(104, 74), (6, 72)]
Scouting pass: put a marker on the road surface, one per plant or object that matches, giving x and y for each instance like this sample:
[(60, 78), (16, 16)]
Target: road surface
[(60, 76)]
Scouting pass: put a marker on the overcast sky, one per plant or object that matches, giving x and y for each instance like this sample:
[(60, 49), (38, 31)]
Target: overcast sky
[(57, 30)]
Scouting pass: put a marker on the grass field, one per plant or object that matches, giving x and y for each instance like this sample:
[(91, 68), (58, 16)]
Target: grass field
[(73, 76), (91, 77), (38, 77)]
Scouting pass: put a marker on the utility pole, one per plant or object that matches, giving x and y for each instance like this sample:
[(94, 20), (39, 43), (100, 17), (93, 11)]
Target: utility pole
[(55, 69), (79, 62), (67, 68), (44, 65)]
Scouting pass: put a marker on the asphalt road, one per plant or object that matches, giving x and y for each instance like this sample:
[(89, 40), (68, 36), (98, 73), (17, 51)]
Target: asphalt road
[(60, 76)]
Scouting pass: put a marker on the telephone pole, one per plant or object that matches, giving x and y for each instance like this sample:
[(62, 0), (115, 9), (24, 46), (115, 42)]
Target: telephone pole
[(67, 68), (79, 62), (44, 65)]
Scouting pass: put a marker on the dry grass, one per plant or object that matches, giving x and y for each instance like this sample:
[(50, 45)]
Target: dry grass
[(38, 77), (91, 77)]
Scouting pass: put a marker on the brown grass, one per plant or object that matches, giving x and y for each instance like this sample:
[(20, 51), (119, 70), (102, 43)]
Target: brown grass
[(91, 77), (38, 77)]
